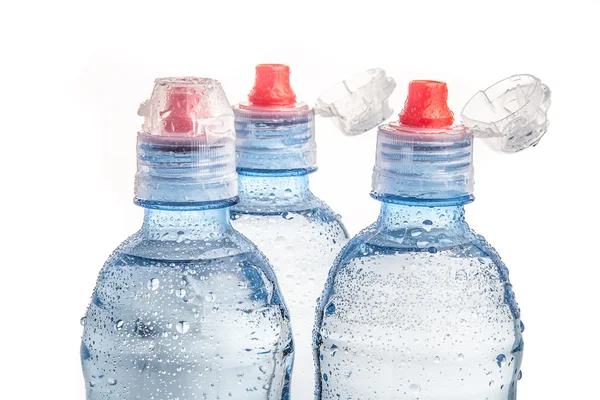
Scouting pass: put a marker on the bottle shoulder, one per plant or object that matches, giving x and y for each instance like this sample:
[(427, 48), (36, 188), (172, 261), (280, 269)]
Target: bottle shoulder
[(217, 263), (310, 209), (441, 262), (374, 241), (179, 248), (249, 203)]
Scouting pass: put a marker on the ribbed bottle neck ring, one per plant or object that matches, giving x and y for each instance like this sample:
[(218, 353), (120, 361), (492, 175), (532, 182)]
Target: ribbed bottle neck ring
[(184, 170), (275, 138), (423, 165)]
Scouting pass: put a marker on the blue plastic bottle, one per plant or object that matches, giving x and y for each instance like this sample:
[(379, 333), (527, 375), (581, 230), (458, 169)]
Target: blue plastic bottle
[(418, 306), (187, 308), (299, 233)]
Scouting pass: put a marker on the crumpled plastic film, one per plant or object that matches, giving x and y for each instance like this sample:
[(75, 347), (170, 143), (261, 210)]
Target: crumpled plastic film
[(510, 115), (188, 107), (358, 104)]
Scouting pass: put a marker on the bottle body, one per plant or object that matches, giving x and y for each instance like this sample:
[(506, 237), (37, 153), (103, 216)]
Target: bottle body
[(187, 308), (301, 237), (418, 306)]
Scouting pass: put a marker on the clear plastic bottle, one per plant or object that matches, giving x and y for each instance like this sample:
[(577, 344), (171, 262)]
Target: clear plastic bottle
[(418, 306), (299, 234), (187, 308)]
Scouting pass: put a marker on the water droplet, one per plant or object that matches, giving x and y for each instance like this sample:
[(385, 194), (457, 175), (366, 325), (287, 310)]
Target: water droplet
[(436, 360), (330, 309), (210, 297), (287, 192), (92, 384), (422, 244), (333, 350), (491, 383), (522, 326), (180, 292), (280, 240), (414, 388), (82, 321), (180, 236), (520, 375), (325, 377), (119, 325), (182, 326), (287, 216), (501, 360), (461, 275), (427, 225), (242, 285), (416, 232), (153, 284), (460, 357), (112, 381)]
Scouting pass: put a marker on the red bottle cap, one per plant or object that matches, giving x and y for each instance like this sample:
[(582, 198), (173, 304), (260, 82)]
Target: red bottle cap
[(427, 105), (272, 86), (180, 111)]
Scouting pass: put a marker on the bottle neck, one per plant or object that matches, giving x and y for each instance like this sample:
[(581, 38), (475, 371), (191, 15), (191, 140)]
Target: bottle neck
[(274, 187), (403, 216), (178, 225)]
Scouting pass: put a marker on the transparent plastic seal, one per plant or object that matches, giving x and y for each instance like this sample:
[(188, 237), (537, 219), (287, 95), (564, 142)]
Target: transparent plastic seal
[(358, 104), (188, 107), (510, 115)]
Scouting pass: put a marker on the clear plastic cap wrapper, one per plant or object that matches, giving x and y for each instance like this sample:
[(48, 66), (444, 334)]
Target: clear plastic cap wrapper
[(358, 104), (510, 115), (188, 107)]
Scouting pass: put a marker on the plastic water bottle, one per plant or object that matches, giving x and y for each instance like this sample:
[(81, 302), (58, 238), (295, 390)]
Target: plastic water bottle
[(186, 308), (418, 306), (299, 234)]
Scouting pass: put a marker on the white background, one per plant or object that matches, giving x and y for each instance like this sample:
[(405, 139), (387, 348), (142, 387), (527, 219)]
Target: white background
[(74, 74)]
